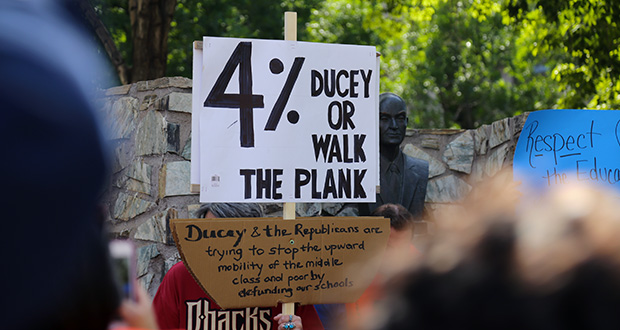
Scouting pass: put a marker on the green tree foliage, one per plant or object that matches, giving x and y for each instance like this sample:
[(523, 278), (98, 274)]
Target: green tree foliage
[(453, 61), (457, 63), (263, 19), (582, 38), (194, 19)]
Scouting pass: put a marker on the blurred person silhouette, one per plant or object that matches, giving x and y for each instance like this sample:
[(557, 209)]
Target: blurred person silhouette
[(57, 274), (399, 247), (180, 302), (398, 252), (550, 262)]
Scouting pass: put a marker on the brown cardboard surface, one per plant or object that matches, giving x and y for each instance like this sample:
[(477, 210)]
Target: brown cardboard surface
[(262, 261)]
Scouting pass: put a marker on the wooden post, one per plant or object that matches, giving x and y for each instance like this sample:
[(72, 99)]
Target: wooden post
[(288, 213), (290, 25)]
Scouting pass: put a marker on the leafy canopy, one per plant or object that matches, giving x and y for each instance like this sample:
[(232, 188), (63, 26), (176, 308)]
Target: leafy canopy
[(457, 63), (582, 39)]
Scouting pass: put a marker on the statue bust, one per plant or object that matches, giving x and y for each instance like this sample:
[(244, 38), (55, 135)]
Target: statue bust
[(403, 178)]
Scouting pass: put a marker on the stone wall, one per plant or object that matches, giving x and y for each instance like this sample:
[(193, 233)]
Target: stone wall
[(149, 123)]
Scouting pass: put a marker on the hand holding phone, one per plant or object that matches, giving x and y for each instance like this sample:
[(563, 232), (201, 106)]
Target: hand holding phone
[(139, 313), (136, 310), (124, 264)]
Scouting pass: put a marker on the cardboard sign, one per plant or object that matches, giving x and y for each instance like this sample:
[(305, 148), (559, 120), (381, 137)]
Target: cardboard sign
[(258, 262), (287, 121), (559, 147)]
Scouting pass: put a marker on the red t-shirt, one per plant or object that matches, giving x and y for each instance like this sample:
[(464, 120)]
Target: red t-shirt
[(180, 303)]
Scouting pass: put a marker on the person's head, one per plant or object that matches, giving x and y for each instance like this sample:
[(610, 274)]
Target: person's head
[(60, 278), (392, 119), (230, 210), (553, 263), (401, 224)]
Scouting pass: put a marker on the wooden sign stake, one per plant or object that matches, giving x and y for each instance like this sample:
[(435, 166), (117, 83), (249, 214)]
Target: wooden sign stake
[(290, 33)]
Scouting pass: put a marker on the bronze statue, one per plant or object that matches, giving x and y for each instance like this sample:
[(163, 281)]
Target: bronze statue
[(403, 178)]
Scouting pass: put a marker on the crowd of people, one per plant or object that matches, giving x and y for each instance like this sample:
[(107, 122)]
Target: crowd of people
[(502, 260), (537, 261)]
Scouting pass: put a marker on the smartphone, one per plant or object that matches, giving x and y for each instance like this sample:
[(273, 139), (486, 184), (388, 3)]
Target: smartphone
[(123, 254)]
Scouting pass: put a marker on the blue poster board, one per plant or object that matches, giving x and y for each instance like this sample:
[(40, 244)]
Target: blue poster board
[(559, 147)]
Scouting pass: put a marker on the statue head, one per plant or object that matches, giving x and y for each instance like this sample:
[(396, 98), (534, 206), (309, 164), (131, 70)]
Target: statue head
[(392, 119)]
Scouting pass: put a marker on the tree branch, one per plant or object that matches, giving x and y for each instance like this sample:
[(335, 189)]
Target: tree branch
[(106, 40)]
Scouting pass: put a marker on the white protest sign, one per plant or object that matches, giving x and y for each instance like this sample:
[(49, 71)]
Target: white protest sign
[(287, 121), (196, 107)]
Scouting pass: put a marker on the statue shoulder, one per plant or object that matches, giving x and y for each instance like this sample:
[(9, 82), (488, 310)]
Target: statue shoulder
[(411, 161), (416, 165)]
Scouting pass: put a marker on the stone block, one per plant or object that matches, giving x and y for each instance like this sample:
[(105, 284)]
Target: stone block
[(270, 208), (153, 84), (518, 123), (166, 82), (500, 133), (118, 90), (180, 82), (151, 137), (129, 206), (144, 256), (181, 102), (121, 120), (496, 159), (173, 133), (446, 189), (331, 208), (308, 209), (174, 179), (481, 140), (187, 150), (431, 142), (139, 178), (192, 209), (435, 167), (348, 210), (173, 260), (459, 153), (156, 229), (147, 102), (122, 156)]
